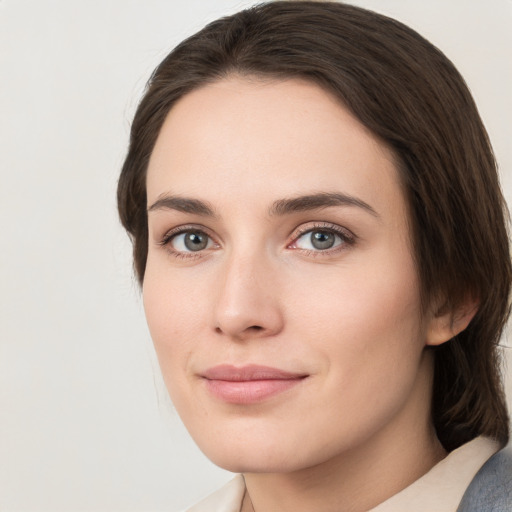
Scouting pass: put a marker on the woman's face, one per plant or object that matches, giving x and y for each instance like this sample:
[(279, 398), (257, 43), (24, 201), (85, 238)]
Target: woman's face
[(280, 290)]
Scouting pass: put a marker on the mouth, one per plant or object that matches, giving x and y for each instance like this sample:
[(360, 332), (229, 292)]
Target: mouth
[(248, 384)]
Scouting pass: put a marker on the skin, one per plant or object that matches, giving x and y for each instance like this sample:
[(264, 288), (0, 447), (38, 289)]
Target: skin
[(357, 428)]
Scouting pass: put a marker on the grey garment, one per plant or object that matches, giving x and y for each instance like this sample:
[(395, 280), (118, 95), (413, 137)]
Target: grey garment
[(491, 489)]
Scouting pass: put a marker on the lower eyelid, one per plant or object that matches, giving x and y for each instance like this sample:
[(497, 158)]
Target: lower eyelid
[(346, 238)]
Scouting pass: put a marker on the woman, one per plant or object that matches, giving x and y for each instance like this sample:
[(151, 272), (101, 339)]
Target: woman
[(319, 233)]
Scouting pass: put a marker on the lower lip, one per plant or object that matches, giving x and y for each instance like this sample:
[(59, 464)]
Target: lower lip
[(249, 391)]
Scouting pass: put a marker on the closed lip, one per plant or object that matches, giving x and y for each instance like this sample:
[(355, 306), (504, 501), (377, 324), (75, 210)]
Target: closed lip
[(248, 373), (250, 384)]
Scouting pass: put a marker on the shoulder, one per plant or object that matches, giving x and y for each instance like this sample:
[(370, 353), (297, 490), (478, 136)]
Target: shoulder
[(226, 499), (491, 489)]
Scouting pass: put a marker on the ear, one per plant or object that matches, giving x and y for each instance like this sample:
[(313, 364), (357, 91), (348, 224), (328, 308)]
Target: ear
[(447, 323)]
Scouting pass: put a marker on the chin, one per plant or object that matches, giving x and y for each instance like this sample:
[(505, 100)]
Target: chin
[(247, 453), (262, 454), (250, 461)]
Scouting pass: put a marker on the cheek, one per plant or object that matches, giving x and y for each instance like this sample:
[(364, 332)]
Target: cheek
[(366, 324), (173, 299), (367, 339), (378, 293), (172, 314)]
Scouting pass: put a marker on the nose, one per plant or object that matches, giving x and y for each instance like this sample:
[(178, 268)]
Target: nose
[(247, 304)]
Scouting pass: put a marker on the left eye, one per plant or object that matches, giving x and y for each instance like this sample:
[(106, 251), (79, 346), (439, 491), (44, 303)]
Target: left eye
[(318, 240), (191, 241)]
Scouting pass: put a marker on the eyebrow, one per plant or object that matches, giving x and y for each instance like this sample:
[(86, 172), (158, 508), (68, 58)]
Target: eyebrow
[(279, 208), (183, 204), (318, 201)]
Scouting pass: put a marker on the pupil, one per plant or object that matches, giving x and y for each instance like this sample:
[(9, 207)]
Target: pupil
[(322, 240), (195, 241)]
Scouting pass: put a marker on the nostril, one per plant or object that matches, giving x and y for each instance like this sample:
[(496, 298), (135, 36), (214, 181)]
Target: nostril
[(254, 328)]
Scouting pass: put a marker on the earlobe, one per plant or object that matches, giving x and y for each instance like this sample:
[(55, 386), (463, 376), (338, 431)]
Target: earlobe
[(445, 324)]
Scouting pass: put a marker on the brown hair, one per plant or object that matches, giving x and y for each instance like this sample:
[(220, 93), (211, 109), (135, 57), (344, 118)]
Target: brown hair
[(411, 96)]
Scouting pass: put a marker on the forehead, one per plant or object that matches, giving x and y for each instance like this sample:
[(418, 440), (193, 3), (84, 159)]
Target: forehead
[(267, 138)]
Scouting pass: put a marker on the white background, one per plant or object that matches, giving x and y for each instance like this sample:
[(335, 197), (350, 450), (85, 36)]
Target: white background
[(84, 421)]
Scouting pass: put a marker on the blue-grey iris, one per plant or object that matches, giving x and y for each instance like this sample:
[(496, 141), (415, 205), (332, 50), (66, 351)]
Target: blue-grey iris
[(322, 239), (195, 241)]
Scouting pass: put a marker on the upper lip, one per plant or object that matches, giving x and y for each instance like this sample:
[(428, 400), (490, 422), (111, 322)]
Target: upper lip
[(249, 372)]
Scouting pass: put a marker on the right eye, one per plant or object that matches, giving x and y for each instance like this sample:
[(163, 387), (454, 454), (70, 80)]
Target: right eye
[(189, 241)]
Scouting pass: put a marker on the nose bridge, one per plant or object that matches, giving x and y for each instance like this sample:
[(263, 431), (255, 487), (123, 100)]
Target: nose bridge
[(247, 301)]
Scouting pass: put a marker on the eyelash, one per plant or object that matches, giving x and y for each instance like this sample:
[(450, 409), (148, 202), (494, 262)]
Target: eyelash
[(346, 236), (173, 233)]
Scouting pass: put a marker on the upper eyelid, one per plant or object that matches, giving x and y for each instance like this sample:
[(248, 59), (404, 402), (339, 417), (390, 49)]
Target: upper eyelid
[(178, 230), (165, 241), (297, 232), (319, 226)]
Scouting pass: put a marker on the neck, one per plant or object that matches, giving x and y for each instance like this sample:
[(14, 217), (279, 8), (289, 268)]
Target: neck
[(359, 479)]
